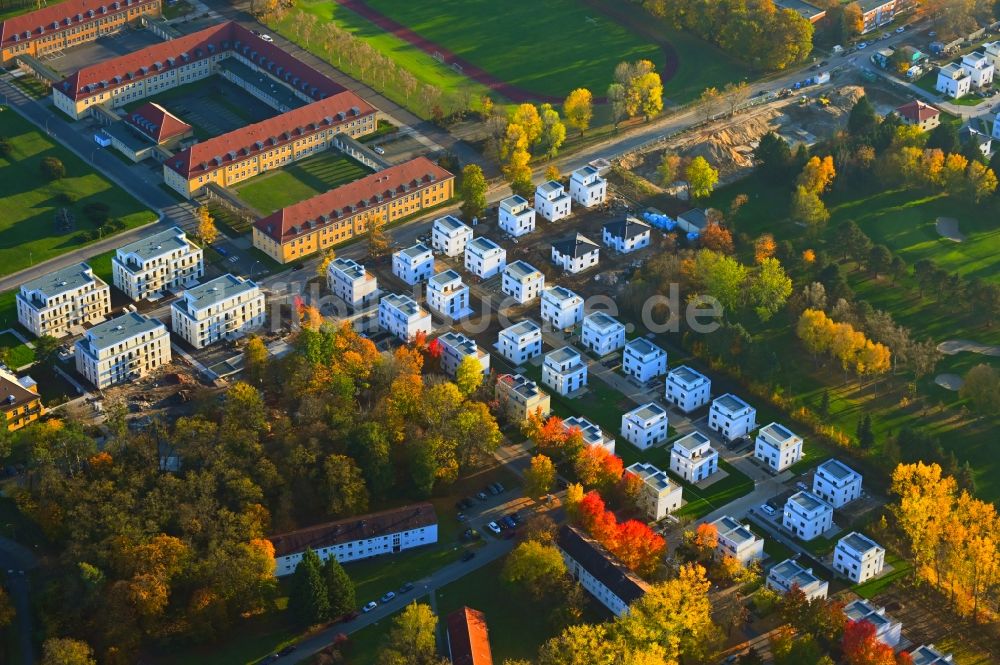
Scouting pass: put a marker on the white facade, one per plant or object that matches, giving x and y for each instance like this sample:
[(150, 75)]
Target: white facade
[(166, 260), (954, 80), (659, 495), (456, 347), (645, 426), (61, 300), (414, 264), (520, 397), (887, 630), (587, 187), (520, 342), (448, 295), (484, 258), (693, 458), (517, 217), (522, 281), (807, 516), (732, 417), (450, 236), (551, 201), (602, 334), (124, 348), (858, 557), (643, 360), (777, 446), (687, 389), (575, 254), (564, 370), (836, 483), (992, 52), (226, 307), (996, 127), (738, 541), (789, 573), (403, 317), (598, 571), (561, 308), (349, 281), (592, 434), (928, 654), (980, 68), (626, 235)]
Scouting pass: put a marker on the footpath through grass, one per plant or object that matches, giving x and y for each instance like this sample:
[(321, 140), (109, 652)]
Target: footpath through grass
[(299, 181)]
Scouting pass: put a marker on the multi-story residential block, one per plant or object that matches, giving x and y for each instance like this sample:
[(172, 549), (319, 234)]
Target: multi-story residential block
[(954, 80), (836, 483), (468, 638), (520, 397), (777, 446), (887, 630), (517, 217), (732, 417), (738, 541), (22, 405), (876, 13), (403, 317), (145, 128), (124, 348), (980, 68), (450, 236), (484, 258), (226, 307), (807, 516), (456, 347), (693, 458), (992, 52), (522, 281), (561, 308), (643, 360), (687, 389), (598, 571), (587, 187), (349, 281), (626, 235), (645, 426), (919, 114), (359, 537), (413, 264), (928, 654), (575, 254), (448, 295), (602, 334), (658, 494), (551, 201), (592, 434), (789, 574), (520, 342), (59, 301), (858, 557), (166, 260), (564, 370)]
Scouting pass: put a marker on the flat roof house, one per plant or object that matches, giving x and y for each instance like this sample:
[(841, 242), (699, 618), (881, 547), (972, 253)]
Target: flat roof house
[(738, 541), (587, 187), (520, 342), (687, 389), (561, 308), (790, 573), (62, 300), (643, 360), (122, 349), (980, 68), (593, 435), (626, 235), (693, 458), (456, 347), (658, 495), (858, 557), (484, 258), (807, 516), (778, 446), (732, 417), (349, 281), (575, 254), (887, 630), (227, 307), (414, 264), (602, 334), (836, 483), (918, 114), (645, 426), (166, 260), (447, 295), (522, 281), (468, 638), (564, 370), (517, 217), (450, 236), (598, 571), (928, 654), (954, 80), (403, 317), (521, 397), (551, 201)]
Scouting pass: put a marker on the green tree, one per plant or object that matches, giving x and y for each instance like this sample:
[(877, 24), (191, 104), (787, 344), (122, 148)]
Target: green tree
[(52, 168), (540, 476), (469, 375), (981, 387), (616, 100), (866, 437), (553, 132), (722, 277), (808, 209), (473, 191), (66, 651), (773, 154), (879, 260), (539, 568), (370, 447), (769, 288), (944, 137), (344, 487), (701, 177), (308, 597), (668, 169), (862, 120), (339, 588), (255, 360), (412, 640)]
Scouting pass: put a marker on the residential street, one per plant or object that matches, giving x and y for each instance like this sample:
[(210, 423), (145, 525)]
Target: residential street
[(15, 560)]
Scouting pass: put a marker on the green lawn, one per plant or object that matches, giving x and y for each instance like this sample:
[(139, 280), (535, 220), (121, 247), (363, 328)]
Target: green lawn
[(900, 569), (17, 354), (320, 173), (700, 502)]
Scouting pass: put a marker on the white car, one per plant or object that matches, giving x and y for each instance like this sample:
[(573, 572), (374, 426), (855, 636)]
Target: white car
[(379, 150), (767, 509), (267, 38), (369, 607), (862, 45), (901, 28), (494, 527)]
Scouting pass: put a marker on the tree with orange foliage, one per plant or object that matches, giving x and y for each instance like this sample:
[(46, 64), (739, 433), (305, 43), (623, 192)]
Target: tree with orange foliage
[(638, 547), (629, 488), (595, 466), (718, 238), (808, 256), (764, 247), (817, 175), (705, 538), (597, 520), (861, 646), (419, 340)]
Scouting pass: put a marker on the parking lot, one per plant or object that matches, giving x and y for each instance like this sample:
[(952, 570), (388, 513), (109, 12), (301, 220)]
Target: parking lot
[(127, 41)]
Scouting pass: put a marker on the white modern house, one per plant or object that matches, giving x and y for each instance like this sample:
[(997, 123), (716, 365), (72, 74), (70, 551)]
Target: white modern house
[(122, 349), (575, 254), (777, 446), (450, 236), (522, 281), (226, 307), (980, 67), (790, 573), (658, 495), (400, 315), (163, 261), (602, 334), (693, 458), (643, 360), (517, 217), (551, 201), (598, 571), (349, 281), (587, 187), (626, 235), (928, 654), (954, 80), (732, 417), (645, 426), (561, 308), (738, 541), (62, 300), (807, 516), (858, 557), (520, 342), (592, 434), (521, 397), (484, 258), (887, 630), (414, 264), (448, 295), (564, 370), (687, 389), (456, 347), (836, 483)]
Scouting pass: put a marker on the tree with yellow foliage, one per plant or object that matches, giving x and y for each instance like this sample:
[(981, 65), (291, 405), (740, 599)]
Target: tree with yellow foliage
[(579, 109), (817, 175), (526, 119), (206, 226), (324, 262)]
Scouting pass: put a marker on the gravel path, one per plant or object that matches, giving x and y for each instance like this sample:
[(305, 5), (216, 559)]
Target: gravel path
[(952, 346)]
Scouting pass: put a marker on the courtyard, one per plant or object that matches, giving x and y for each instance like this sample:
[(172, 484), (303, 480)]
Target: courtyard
[(299, 181)]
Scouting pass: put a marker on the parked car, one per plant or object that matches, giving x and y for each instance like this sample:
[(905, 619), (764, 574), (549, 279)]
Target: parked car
[(768, 509), (482, 496), (500, 487), (802, 486), (387, 597), (369, 607), (406, 588), (901, 28), (516, 517), (267, 38), (468, 556), (461, 517), (492, 489), (862, 45), (494, 527), (508, 522), (379, 150)]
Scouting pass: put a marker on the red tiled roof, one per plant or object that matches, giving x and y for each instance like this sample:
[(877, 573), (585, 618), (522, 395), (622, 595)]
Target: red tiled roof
[(346, 200), (156, 122), (65, 15), (239, 144), (917, 111), (468, 638)]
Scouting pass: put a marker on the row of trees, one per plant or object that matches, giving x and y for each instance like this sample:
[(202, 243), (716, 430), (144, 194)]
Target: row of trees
[(822, 335), (530, 128), (632, 541)]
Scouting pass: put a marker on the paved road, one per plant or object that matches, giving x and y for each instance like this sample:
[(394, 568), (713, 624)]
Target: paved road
[(14, 561)]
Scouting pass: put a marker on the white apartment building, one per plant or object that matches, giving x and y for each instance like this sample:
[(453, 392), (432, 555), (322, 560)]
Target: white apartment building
[(687, 389), (551, 201), (858, 557), (522, 281), (602, 334), (836, 483), (403, 317), (592, 434), (790, 573), (226, 307), (626, 235), (484, 258), (564, 370), (450, 236), (659, 495), (645, 426), (598, 571), (738, 541), (517, 217), (349, 281), (59, 301), (980, 68), (575, 254), (992, 52), (587, 187), (732, 417), (777, 446), (643, 360), (693, 458), (122, 349), (887, 630), (448, 295), (954, 80), (456, 347), (807, 516), (561, 308), (520, 342), (521, 397), (928, 654), (414, 264), (166, 260)]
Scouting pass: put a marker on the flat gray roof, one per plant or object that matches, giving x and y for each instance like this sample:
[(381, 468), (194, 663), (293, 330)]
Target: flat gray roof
[(351, 268), (120, 329), (561, 293), (859, 542), (643, 347), (776, 434), (837, 469), (521, 269), (563, 354), (807, 502), (648, 411), (450, 223), (651, 475), (686, 375), (549, 187), (513, 202), (415, 251), (521, 328), (460, 343), (731, 403), (603, 322), (482, 245), (403, 303), (793, 573), (216, 290), (692, 441), (157, 244), (445, 277), (61, 281)]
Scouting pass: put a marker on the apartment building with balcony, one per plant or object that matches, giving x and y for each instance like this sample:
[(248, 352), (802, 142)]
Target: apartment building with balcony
[(164, 261), (564, 370), (403, 317), (789, 574), (227, 307), (643, 360), (593, 435), (836, 483), (561, 308), (732, 417), (551, 201), (450, 236), (693, 458), (21, 404), (777, 446), (587, 187), (413, 264), (122, 349), (517, 217), (658, 495), (738, 541), (520, 397), (602, 334), (352, 283), (484, 258), (645, 426), (858, 557), (687, 389), (520, 342), (456, 347), (56, 303), (887, 630), (807, 516), (522, 281), (448, 295)]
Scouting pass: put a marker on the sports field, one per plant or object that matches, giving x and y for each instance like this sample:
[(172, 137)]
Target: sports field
[(302, 180)]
